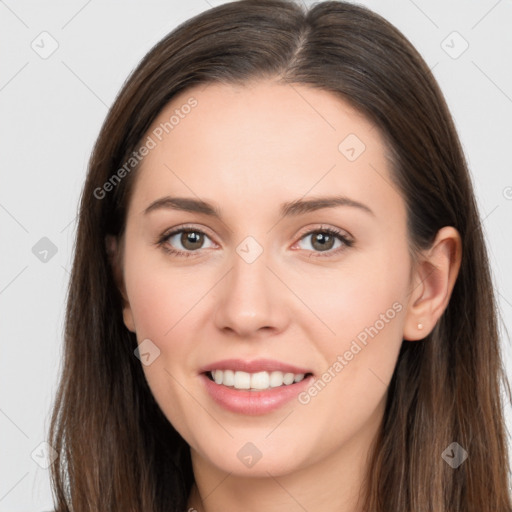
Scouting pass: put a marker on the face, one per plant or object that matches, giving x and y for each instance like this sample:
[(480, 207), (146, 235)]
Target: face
[(293, 280)]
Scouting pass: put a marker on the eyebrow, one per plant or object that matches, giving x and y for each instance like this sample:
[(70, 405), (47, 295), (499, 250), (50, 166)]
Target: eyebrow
[(290, 209)]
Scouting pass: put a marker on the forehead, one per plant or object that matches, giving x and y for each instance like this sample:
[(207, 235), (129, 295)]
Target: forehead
[(263, 142)]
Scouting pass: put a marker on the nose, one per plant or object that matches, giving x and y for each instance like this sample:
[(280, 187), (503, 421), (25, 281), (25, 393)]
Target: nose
[(252, 301)]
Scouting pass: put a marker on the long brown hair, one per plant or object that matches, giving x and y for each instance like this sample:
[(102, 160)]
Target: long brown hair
[(117, 451)]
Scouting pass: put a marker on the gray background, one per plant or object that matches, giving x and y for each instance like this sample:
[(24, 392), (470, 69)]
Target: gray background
[(52, 109)]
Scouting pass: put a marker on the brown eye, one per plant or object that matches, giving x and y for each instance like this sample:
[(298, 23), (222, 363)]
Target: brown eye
[(192, 240), (326, 240), (184, 242), (322, 241)]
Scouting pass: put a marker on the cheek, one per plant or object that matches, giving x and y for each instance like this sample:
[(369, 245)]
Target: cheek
[(161, 307), (364, 290), (159, 295), (349, 395), (364, 305)]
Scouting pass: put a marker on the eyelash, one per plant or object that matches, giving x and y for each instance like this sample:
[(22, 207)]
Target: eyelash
[(162, 241)]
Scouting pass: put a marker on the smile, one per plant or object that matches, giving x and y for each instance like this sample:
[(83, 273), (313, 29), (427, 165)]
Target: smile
[(253, 387), (254, 381)]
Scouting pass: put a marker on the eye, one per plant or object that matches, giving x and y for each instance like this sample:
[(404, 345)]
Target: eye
[(324, 239), (191, 240)]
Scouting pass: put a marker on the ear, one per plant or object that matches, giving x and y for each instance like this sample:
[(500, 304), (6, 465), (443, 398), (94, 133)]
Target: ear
[(115, 253), (434, 278)]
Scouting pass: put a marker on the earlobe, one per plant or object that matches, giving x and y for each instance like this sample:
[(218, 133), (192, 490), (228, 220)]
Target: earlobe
[(128, 318), (114, 256), (435, 277)]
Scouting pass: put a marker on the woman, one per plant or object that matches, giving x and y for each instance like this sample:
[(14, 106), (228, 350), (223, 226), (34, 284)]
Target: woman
[(280, 297)]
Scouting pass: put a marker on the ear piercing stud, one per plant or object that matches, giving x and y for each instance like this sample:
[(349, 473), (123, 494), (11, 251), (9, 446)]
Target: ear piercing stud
[(420, 326)]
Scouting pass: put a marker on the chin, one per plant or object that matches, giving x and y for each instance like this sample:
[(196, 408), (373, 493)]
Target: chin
[(242, 457)]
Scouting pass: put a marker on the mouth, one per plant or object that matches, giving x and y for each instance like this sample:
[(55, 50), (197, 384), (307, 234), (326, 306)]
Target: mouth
[(259, 381), (253, 388)]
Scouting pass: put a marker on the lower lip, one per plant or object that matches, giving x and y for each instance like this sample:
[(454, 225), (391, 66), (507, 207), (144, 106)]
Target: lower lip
[(253, 402)]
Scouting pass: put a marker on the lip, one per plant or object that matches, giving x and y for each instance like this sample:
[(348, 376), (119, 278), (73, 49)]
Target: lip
[(253, 403), (258, 365)]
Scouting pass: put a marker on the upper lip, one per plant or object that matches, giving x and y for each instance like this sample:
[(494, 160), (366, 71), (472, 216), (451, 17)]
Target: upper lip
[(257, 365)]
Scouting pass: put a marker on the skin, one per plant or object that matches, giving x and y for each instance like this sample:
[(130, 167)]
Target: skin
[(248, 149)]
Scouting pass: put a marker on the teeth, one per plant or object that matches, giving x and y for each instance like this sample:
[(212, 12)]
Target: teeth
[(242, 379), (259, 380), (288, 378), (276, 379), (228, 378), (255, 381)]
